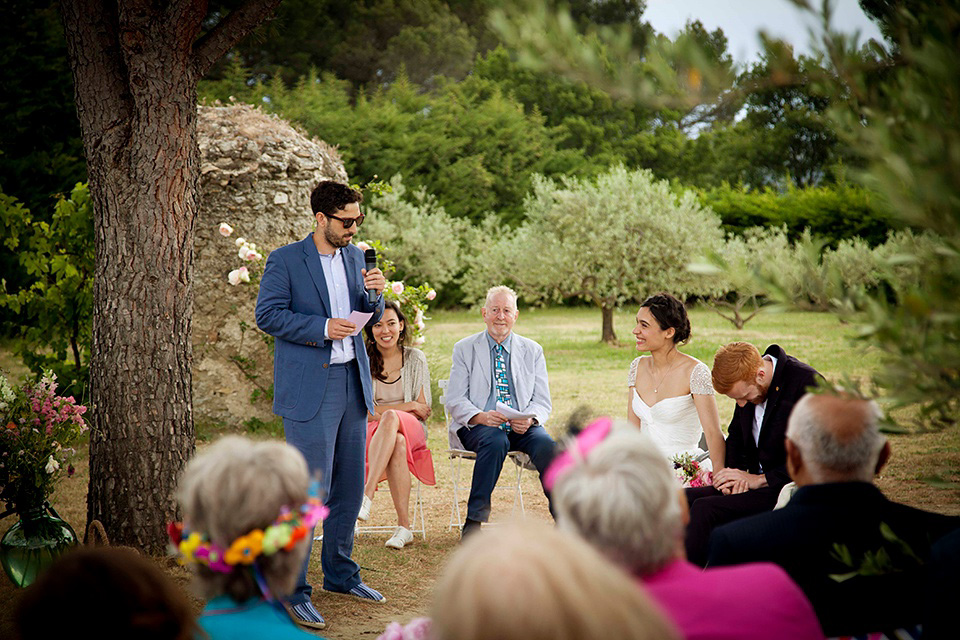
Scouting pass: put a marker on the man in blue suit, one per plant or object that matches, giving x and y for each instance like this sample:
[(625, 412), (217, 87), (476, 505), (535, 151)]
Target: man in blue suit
[(494, 366), (322, 385)]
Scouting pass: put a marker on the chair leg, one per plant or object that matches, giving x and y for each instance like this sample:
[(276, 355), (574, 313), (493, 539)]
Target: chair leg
[(418, 513), (455, 507), (518, 494)]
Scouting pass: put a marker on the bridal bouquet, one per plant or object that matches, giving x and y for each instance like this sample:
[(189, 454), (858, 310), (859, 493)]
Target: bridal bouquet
[(688, 471)]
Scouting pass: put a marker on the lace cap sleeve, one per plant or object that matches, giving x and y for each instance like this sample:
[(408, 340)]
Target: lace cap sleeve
[(701, 383), (632, 376)]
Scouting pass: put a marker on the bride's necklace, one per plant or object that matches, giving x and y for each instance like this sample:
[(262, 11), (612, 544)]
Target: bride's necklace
[(656, 387)]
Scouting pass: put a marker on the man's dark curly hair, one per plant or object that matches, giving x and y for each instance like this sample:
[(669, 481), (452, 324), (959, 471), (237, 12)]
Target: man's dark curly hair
[(329, 197)]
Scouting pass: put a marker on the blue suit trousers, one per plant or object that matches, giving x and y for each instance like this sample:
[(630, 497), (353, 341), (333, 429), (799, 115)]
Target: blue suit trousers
[(491, 444), (333, 443)]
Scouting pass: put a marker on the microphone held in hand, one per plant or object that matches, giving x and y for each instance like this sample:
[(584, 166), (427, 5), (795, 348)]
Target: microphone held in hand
[(370, 258)]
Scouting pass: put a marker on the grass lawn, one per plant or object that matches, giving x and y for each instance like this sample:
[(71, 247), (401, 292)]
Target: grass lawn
[(583, 373)]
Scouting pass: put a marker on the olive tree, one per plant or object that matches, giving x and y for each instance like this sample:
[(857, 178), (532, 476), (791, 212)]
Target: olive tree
[(611, 240)]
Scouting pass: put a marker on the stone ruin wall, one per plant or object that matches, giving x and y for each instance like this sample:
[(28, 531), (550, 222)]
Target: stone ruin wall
[(257, 172)]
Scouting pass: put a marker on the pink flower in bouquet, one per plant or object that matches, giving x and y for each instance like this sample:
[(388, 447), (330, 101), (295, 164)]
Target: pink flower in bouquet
[(234, 277), (363, 246), (397, 288), (244, 274), (225, 229), (431, 294), (703, 478)]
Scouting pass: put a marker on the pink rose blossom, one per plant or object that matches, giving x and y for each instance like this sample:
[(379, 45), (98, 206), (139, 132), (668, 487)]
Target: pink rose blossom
[(234, 277), (244, 274), (397, 288), (431, 294), (225, 229), (363, 246)]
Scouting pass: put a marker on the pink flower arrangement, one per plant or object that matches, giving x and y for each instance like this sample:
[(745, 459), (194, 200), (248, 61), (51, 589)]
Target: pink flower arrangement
[(416, 629), (396, 287), (35, 444)]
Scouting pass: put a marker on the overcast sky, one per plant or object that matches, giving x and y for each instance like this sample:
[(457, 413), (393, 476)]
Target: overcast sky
[(741, 20)]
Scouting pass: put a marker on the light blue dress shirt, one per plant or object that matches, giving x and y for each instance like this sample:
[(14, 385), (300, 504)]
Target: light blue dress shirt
[(335, 274)]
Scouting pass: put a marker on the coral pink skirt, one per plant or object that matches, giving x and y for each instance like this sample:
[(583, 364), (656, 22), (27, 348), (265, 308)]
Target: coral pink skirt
[(419, 458)]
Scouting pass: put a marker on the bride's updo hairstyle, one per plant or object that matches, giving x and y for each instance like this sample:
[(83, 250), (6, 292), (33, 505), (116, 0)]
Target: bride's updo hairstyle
[(669, 314)]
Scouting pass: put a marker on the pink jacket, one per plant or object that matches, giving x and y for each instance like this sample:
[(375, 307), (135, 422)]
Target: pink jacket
[(745, 602)]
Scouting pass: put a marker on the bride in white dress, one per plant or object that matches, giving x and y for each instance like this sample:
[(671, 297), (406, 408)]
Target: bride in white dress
[(671, 394)]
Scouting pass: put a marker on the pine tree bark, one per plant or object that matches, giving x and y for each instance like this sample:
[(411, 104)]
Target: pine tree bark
[(136, 64)]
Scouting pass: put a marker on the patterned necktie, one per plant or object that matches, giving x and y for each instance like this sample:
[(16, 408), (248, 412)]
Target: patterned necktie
[(500, 377)]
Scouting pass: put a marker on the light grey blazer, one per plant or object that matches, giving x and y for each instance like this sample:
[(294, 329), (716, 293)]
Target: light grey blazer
[(471, 380)]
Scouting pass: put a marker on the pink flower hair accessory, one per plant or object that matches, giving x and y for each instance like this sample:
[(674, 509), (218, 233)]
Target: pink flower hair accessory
[(577, 448)]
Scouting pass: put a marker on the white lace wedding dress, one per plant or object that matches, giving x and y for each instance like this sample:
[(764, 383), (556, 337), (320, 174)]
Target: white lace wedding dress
[(673, 423)]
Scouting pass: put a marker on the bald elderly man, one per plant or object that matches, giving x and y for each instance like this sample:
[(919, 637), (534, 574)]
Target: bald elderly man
[(832, 533)]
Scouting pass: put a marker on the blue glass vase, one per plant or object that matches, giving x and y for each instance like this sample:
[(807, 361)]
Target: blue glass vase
[(33, 543)]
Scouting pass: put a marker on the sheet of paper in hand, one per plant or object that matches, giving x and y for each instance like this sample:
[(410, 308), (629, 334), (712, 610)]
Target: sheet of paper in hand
[(513, 414), (360, 319)]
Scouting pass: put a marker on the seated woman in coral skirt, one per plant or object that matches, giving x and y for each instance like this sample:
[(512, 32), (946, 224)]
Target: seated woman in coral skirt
[(397, 431)]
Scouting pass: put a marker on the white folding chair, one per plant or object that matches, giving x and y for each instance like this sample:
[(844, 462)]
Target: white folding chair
[(457, 456), (419, 524)]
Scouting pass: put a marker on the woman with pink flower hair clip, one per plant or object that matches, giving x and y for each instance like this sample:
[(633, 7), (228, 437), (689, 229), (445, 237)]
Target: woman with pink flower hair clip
[(249, 511), (613, 488)]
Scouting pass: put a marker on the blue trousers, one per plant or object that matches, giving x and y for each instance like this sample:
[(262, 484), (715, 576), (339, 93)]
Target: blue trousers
[(333, 443), (491, 444)]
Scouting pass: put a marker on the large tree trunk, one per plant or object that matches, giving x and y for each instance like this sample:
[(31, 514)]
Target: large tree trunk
[(136, 66), (608, 334)]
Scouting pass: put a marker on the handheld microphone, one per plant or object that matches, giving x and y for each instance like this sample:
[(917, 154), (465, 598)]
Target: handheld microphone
[(370, 257)]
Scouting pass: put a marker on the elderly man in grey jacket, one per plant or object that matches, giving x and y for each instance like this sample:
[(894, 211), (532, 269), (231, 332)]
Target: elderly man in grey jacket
[(495, 368)]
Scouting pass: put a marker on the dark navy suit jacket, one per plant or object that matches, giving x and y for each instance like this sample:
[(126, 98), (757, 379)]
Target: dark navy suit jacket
[(820, 525), (791, 379), (293, 306)]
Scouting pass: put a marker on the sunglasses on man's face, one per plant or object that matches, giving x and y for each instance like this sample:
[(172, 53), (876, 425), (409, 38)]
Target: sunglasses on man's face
[(348, 222)]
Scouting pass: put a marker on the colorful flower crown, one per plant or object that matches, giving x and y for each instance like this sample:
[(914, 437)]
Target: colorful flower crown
[(289, 528)]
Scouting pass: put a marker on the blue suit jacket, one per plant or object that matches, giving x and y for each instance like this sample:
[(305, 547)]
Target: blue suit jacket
[(293, 306)]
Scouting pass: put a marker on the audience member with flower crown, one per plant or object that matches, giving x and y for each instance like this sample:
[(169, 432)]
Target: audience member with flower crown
[(248, 517), (397, 428), (528, 581), (614, 488)]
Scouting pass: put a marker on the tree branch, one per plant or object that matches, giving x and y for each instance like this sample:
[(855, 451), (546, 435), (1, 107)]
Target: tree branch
[(238, 23)]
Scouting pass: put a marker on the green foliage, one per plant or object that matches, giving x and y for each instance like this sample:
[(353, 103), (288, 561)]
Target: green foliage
[(422, 241), (272, 428), (832, 213), (740, 269), (55, 307), (365, 42), (468, 144), (42, 153), (894, 556), (618, 238)]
